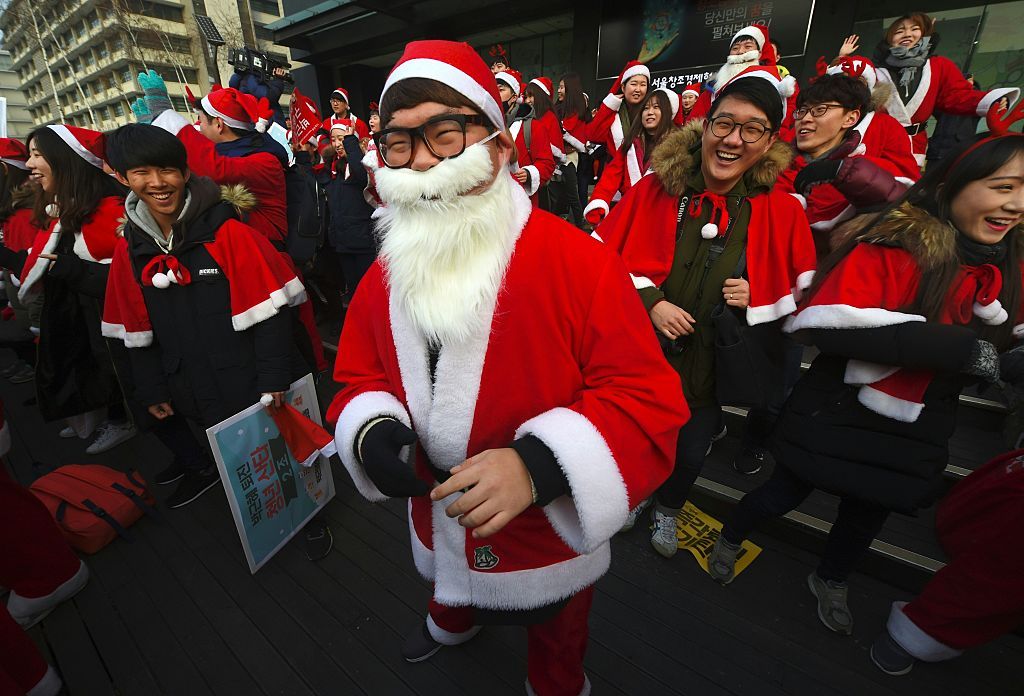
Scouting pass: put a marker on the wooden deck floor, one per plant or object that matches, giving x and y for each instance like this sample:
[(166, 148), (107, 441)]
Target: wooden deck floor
[(177, 612)]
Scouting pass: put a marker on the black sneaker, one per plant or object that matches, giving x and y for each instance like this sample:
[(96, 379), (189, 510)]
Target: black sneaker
[(420, 645), (169, 475), (752, 460), (318, 540), (890, 657), (192, 486)]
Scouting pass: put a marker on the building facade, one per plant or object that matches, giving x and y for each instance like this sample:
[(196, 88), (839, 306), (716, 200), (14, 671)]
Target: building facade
[(16, 121)]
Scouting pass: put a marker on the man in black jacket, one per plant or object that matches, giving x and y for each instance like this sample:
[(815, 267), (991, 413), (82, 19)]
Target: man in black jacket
[(202, 299)]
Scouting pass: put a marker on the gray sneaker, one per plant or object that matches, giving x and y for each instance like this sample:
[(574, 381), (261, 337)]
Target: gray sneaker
[(663, 533), (890, 657), (832, 608), (110, 436), (634, 514), (27, 373), (722, 561)]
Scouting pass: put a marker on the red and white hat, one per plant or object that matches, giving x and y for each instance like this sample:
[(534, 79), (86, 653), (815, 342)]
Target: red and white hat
[(339, 93), (676, 101), (13, 152), (237, 109), (545, 85), (785, 86), (693, 89), (632, 69), (456, 64), (88, 144), (757, 32), (513, 79), (855, 66)]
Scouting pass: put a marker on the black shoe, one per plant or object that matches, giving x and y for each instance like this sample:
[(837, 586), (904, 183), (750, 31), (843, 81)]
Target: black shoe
[(752, 460), (169, 475), (420, 645), (318, 540), (192, 486)]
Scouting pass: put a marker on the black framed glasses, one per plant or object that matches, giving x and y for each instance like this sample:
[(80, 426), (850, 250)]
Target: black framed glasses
[(816, 111), (444, 136), (750, 132)]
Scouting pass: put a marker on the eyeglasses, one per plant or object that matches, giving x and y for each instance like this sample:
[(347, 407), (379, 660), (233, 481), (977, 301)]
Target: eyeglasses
[(750, 132), (444, 136), (815, 111)]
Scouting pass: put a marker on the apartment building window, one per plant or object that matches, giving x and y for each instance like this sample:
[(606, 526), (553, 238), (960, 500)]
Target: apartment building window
[(94, 20), (103, 52), (101, 113), (267, 7), (118, 110)]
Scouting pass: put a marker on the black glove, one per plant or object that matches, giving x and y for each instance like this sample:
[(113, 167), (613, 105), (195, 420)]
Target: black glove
[(984, 362), (816, 173), (1011, 366), (378, 453)]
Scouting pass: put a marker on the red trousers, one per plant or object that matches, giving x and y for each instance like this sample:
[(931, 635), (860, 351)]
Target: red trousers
[(555, 648), (21, 665)]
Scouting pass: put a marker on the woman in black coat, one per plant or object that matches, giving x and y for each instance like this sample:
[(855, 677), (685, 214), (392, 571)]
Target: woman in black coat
[(349, 230)]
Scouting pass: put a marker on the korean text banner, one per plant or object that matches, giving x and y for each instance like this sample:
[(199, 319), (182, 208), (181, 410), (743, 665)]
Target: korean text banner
[(270, 494)]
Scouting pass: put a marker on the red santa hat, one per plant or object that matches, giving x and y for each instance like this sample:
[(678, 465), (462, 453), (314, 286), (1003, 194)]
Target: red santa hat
[(339, 93), (237, 109), (785, 86), (759, 33), (855, 66), (456, 64), (676, 102), (513, 79), (632, 69), (545, 85), (305, 439), (373, 108), (693, 89), (88, 144), (13, 152)]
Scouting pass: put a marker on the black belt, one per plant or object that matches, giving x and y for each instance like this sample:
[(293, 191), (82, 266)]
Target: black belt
[(914, 128)]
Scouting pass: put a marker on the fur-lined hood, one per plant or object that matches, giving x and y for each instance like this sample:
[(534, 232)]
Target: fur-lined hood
[(930, 241), (677, 157)]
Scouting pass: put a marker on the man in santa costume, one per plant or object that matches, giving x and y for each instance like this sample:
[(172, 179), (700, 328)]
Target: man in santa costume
[(200, 298), (341, 114), (496, 367), (534, 163)]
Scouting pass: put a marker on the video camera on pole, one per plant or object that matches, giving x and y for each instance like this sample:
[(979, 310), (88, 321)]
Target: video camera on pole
[(247, 60)]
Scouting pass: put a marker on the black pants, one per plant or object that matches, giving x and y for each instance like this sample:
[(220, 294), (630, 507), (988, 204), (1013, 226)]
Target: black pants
[(566, 196), (176, 435), (761, 421), (584, 175), (691, 449), (354, 267), (857, 523)]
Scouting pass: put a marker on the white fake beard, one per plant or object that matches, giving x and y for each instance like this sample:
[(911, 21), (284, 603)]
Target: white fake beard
[(445, 252), (734, 65)]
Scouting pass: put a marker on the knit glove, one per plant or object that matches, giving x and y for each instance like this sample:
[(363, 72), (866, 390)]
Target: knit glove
[(141, 111), (1011, 365), (984, 362), (379, 449), (815, 174), (155, 90)]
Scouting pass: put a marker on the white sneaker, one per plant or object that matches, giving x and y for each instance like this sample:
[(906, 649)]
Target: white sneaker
[(27, 612), (49, 685), (111, 436), (67, 433), (663, 534), (634, 514)]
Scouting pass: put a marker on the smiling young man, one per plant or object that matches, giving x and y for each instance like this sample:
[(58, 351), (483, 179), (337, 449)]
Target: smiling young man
[(684, 232), (201, 299), (496, 368)]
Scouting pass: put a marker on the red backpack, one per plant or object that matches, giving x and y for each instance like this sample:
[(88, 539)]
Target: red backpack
[(93, 504)]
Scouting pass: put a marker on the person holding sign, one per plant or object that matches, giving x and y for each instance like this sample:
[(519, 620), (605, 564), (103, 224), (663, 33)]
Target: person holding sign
[(496, 368)]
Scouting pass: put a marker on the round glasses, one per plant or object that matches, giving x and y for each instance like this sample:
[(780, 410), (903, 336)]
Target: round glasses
[(816, 111), (444, 136), (750, 132)]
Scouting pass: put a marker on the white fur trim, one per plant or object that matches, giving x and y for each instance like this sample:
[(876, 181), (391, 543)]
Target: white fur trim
[(447, 637), (862, 127), (633, 165), (533, 182), (362, 409), (888, 405), (596, 236), (641, 282), (509, 80), (826, 225), (574, 142), (515, 128), (543, 88), (1018, 331), (756, 33), (766, 313), (585, 691), (617, 135), (803, 281), (911, 638), (71, 141), (596, 204), (371, 159), (635, 70), (171, 121), (862, 372), (905, 181), (292, 294), (422, 557), (841, 316), (613, 102), (132, 339), (41, 266), (18, 164), (800, 199), (599, 502), (82, 251), (453, 77), (994, 95), (557, 153), (210, 109), (992, 314)]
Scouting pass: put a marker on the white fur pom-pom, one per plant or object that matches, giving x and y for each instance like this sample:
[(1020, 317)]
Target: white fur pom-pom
[(787, 86), (160, 281), (172, 277), (261, 125), (709, 231), (52, 210), (266, 399)]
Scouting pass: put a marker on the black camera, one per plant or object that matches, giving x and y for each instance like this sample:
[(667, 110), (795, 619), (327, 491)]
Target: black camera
[(249, 60)]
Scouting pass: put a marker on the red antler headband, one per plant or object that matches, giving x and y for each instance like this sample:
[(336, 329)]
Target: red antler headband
[(999, 122)]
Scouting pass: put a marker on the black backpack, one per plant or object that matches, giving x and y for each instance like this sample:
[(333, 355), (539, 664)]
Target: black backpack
[(305, 224)]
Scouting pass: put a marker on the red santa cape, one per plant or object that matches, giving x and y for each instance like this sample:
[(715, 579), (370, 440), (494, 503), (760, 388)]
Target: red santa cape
[(870, 288), (259, 278), (569, 358)]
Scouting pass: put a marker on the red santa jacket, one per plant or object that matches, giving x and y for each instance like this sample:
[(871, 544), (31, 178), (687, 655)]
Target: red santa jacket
[(942, 88), (620, 175), (553, 126), (574, 132), (606, 126), (780, 250), (537, 158), (883, 141), (874, 284), (94, 242), (570, 359), (19, 231), (261, 173), (362, 130)]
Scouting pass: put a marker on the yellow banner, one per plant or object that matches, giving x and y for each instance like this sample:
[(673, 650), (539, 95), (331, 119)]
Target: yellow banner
[(698, 531)]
